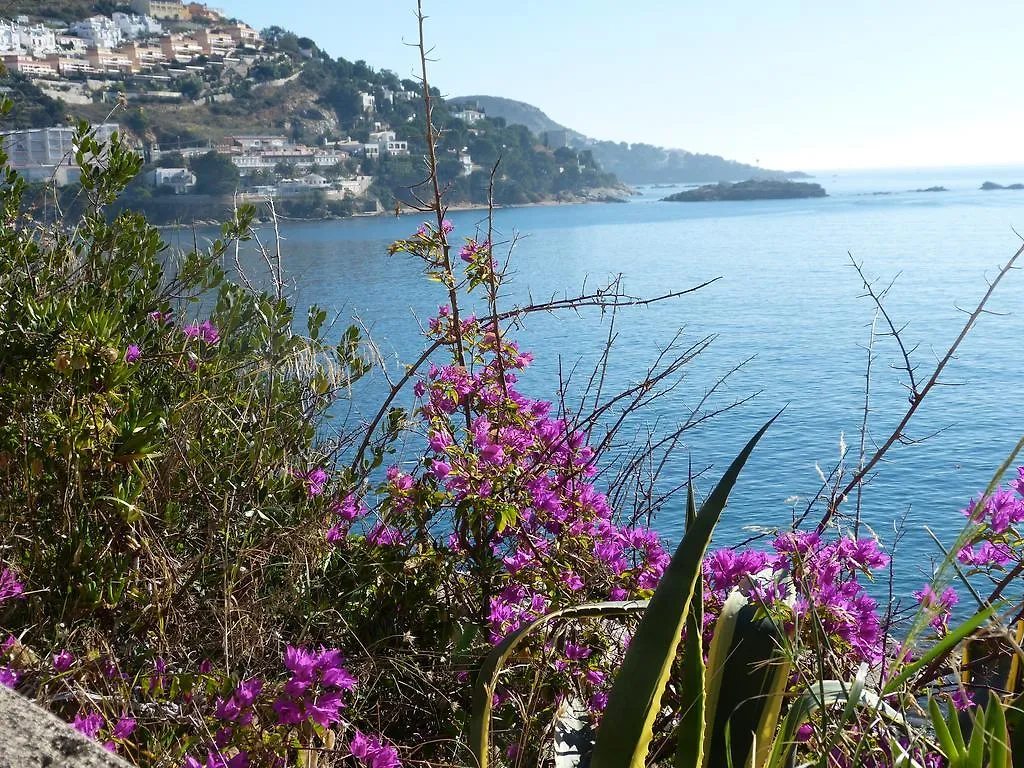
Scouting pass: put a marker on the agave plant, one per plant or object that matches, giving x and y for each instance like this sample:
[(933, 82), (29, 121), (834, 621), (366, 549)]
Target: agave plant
[(639, 686), (732, 704)]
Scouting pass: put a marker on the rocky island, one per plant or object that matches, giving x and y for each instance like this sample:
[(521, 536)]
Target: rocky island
[(755, 189), (990, 185)]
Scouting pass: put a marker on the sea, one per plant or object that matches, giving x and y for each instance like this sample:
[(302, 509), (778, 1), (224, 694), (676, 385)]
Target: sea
[(790, 328)]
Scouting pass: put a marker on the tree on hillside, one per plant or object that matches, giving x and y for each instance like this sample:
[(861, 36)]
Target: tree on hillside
[(171, 160), (215, 174), (190, 87), (344, 99), (32, 108)]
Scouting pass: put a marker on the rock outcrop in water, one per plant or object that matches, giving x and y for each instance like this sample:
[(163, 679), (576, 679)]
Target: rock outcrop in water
[(763, 189), (990, 185)]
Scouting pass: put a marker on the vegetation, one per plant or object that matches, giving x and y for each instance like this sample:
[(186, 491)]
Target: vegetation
[(636, 163), (31, 107), (64, 10), (748, 190)]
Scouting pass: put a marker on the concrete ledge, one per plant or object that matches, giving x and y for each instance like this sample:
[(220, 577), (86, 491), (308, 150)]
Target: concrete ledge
[(31, 737)]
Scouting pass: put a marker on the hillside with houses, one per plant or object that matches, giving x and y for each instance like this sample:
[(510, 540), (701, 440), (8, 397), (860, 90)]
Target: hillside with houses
[(219, 109)]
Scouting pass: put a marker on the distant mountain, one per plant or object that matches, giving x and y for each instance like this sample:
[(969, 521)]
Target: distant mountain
[(633, 163)]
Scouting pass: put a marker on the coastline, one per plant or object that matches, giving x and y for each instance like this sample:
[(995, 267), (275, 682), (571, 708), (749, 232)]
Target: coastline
[(608, 198)]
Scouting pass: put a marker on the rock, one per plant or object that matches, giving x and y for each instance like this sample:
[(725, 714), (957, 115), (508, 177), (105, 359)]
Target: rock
[(764, 189), (31, 737)]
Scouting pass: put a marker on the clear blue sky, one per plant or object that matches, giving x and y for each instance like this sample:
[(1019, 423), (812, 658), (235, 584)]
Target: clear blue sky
[(811, 84)]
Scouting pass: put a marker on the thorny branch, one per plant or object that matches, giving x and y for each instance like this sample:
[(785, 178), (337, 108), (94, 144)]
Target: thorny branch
[(918, 395)]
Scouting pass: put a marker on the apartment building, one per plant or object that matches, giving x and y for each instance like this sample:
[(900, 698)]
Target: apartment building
[(162, 9)]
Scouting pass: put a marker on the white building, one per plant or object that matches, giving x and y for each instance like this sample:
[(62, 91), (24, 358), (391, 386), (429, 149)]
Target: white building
[(466, 161), (134, 26), (180, 180), (36, 40), (44, 153), (369, 103), (307, 183), (98, 31), (469, 116)]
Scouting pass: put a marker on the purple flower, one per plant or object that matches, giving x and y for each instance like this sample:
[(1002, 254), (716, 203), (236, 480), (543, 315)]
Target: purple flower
[(206, 331), (88, 724), (384, 535), (315, 479), (962, 699), (572, 581), (161, 317), (10, 587), (939, 605), (575, 652), (987, 554), (324, 709), (8, 676), (125, 727), (133, 353), (62, 661), (372, 753)]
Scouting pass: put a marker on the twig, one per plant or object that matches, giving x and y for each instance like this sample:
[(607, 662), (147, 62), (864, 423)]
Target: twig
[(918, 396)]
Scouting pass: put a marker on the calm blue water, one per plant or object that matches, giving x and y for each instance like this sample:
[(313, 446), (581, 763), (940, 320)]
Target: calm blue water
[(788, 298)]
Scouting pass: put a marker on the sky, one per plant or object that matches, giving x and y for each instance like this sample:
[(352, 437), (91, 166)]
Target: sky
[(786, 84)]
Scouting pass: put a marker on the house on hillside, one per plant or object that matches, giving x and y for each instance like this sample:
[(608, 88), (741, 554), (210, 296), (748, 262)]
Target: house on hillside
[(98, 31), (162, 9), (469, 116), (180, 181)]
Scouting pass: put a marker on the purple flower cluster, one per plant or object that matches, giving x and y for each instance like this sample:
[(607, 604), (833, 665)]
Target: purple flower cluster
[(10, 587), (372, 753), (206, 331), (347, 511), (314, 690), (161, 318), (316, 479), (824, 578), (940, 606), (997, 516)]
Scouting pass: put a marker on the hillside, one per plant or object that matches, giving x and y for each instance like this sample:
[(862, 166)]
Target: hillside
[(517, 113), (64, 10), (633, 163), (348, 137)]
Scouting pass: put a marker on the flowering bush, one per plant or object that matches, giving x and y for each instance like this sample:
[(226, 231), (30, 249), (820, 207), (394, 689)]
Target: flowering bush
[(197, 572)]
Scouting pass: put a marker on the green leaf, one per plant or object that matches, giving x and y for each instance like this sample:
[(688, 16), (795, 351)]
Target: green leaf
[(998, 738), (625, 732), (487, 679), (690, 734), (951, 640), (976, 749), (748, 673), (942, 733)]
